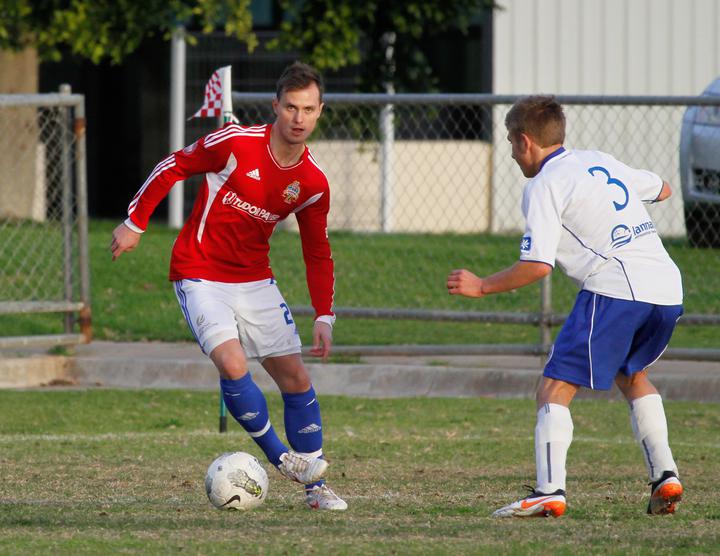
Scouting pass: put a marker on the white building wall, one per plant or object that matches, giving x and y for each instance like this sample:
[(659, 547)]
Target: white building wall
[(610, 47)]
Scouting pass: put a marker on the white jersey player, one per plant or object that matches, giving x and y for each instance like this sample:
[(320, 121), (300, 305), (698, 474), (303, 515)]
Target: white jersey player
[(585, 211)]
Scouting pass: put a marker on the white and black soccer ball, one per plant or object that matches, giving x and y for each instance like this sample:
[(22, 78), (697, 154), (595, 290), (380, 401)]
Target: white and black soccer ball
[(237, 481)]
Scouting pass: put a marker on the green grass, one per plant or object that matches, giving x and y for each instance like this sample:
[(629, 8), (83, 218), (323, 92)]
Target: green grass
[(107, 471), (132, 300)]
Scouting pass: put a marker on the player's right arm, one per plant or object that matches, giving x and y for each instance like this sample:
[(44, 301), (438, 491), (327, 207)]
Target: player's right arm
[(522, 273), (204, 156), (208, 154), (197, 158)]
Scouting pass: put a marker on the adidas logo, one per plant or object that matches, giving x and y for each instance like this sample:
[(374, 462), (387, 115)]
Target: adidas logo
[(312, 427), (254, 174), (249, 416)]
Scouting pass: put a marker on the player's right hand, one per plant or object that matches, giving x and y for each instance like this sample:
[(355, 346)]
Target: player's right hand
[(464, 282), (123, 239)]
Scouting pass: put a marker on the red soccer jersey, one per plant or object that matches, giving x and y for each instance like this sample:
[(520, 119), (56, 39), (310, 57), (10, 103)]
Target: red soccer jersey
[(244, 194)]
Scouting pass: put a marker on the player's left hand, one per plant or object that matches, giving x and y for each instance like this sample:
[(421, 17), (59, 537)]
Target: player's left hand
[(464, 282), (322, 340)]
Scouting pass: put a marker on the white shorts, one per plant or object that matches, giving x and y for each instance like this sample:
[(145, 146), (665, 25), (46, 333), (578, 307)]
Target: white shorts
[(253, 312)]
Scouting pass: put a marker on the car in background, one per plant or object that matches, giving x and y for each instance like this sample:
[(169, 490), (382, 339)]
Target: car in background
[(700, 170)]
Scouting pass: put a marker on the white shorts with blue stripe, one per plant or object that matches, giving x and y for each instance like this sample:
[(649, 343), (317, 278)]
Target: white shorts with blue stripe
[(254, 313)]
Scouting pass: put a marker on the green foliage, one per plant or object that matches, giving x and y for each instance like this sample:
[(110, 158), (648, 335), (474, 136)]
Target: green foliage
[(110, 30), (333, 34)]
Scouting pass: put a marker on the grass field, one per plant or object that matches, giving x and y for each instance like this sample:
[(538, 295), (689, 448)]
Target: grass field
[(103, 471), (132, 300)]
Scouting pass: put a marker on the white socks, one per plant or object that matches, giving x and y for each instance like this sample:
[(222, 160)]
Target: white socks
[(647, 417), (553, 435)]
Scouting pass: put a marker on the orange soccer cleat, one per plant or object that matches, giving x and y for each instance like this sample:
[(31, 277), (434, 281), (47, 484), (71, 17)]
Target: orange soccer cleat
[(535, 504), (665, 493)]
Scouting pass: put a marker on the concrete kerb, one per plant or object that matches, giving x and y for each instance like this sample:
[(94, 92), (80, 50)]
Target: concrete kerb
[(161, 365)]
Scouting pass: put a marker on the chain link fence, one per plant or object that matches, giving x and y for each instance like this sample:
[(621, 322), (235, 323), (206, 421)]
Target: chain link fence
[(44, 268), (429, 179)]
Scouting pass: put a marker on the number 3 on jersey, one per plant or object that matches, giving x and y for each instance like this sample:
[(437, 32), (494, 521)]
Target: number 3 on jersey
[(612, 181), (286, 313)]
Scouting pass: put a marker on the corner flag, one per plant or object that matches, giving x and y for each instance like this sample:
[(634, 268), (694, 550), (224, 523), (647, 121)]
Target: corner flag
[(218, 100)]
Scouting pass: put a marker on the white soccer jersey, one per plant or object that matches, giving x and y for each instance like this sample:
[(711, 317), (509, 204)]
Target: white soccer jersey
[(584, 209)]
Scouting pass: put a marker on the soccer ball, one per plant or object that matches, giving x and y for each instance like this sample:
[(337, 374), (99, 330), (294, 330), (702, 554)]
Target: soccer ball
[(236, 480)]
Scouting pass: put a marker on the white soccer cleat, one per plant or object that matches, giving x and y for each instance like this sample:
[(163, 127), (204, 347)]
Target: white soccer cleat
[(536, 504), (302, 469), (664, 494), (323, 498)]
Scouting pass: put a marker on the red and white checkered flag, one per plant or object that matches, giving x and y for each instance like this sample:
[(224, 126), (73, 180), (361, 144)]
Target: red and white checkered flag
[(212, 105)]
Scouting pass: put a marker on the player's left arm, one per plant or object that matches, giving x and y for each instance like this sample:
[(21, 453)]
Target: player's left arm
[(522, 273), (319, 270), (649, 187), (665, 192)]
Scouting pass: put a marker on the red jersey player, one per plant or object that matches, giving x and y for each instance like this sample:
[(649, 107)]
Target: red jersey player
[(254, 177)]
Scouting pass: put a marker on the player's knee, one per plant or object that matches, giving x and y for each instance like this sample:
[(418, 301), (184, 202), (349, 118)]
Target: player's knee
[(294, 379), (555, 391), (232, 366), (296, 382), (625, 382)]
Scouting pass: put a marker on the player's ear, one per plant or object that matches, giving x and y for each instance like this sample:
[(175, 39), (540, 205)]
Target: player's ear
[(322, 105), (525, 142), (275, 104)]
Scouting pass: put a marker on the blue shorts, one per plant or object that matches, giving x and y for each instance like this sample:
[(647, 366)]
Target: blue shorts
[(604, 336)]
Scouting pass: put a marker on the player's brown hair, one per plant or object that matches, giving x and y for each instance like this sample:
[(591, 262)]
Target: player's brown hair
[(298, 76), (538, 116)]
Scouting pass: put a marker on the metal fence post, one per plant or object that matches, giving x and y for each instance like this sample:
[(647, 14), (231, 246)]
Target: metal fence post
[(82, 218), (67, 208), (387, 140)]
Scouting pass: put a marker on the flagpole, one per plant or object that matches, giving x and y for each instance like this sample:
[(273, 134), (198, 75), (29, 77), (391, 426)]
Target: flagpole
[(177, 120), (226, 115)]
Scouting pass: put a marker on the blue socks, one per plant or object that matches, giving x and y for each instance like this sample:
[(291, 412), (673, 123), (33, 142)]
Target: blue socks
[(303, 425), (246, 403)]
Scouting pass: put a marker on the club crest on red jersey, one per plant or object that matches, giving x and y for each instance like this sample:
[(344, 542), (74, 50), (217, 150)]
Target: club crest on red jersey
[(292, 192)]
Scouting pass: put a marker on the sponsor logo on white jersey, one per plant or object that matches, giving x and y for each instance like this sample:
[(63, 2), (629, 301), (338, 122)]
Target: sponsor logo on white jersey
[(237, 203), (620, 235), (254, 174), (525, 244), (249, 416), (644, 228), (312, 427)]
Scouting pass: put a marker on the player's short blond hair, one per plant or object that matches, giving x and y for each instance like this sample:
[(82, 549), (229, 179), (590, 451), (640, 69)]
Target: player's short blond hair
[(540, 117), (299, 75)]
